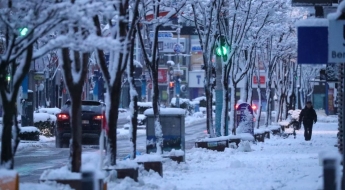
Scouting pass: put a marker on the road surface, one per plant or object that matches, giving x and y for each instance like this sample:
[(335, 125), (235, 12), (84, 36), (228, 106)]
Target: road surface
[(32, 161)]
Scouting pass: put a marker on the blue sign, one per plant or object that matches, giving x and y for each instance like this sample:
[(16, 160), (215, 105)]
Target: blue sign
[(245, 118), (162, 35), (312, 45), (196, 48)]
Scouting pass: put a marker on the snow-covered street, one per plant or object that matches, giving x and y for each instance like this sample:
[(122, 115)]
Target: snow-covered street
[(277, 163)]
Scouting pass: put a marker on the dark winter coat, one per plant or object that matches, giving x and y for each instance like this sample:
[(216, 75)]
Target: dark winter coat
[(308, 116)]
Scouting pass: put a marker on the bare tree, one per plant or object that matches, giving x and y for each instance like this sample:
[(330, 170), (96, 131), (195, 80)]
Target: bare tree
[(204, 17), (21, 25), (75, 60), (151, 58), (246, 21), (123, 32)]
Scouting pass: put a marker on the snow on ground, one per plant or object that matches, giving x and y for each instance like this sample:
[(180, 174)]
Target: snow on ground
[(277, 163)]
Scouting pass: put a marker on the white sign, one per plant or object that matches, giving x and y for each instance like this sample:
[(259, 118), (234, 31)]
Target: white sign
[(163, 34), (168, 45), (336, 41), (196, 79)]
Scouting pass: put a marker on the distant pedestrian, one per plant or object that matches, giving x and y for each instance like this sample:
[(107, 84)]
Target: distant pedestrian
[(308, 117)]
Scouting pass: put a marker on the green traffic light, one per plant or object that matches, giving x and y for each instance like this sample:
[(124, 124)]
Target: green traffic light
[(221, 51), (23, 31), (8, 78)]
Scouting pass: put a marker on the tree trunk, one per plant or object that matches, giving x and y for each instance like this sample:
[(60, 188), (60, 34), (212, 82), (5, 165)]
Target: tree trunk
[(9, 115), (268, 109), (258, 111), (76, 139), (156, 110), (75, 89), (233, 109), (134, 100), (209, 111), (112, 116)]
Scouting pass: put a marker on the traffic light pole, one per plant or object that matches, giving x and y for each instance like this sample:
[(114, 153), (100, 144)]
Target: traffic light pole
[(219, 95)]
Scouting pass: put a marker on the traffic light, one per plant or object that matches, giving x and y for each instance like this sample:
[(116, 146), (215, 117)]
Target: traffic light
[(23, 31), (8, 77), (222, 48), (171, 85)]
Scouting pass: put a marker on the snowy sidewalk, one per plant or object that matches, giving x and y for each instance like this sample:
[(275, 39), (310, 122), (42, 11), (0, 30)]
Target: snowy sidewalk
[(275, 164)]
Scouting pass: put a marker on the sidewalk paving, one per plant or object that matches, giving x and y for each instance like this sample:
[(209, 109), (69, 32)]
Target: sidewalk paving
[(277, 163)]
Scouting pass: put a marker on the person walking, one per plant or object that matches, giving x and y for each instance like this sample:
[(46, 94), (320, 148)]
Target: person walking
[(308, 117)]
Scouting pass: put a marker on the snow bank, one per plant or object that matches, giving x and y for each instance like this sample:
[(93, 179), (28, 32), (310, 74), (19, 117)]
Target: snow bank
[(148, 158), (43, 117), (46, 185), (181, 101), (59, 173), (167, 111), (28, 129), (52, 111), (145, 104), (174, 152)]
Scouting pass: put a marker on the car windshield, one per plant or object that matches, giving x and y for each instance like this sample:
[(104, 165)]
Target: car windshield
[(93, 106), (90, 106)]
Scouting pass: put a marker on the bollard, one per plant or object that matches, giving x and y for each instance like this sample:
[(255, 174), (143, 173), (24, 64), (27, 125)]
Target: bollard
[(329, 174), (88, 181)]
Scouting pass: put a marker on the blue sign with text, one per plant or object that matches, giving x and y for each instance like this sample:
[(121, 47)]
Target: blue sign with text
[(312, 45)]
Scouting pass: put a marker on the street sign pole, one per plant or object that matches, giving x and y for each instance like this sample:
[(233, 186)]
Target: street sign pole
[(343, 123), (336, 54)]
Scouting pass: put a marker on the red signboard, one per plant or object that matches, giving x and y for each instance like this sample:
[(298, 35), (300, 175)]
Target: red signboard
[(262, 80), (162, 75)]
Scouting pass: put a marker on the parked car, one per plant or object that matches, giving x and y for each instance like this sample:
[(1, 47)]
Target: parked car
[(91, 123)]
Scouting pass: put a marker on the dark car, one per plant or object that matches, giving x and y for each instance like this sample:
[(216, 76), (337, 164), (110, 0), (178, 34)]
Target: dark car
[(91, 123)]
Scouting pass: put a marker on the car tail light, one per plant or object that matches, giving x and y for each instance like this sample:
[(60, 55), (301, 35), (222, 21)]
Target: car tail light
[(62, 116), (98, 117)]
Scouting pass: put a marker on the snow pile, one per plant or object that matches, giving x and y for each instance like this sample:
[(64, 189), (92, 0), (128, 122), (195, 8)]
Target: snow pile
[(198, 99), (52, 111), (167, 111), (174, 152), (145, 104), (244, 146), (181, 101), (29, 129), (148, 158), (46, 185), (294, 114), (42, 117), (59, 173), (259, 131)]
